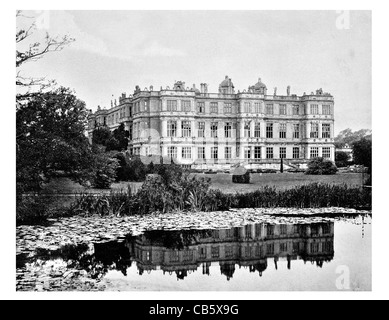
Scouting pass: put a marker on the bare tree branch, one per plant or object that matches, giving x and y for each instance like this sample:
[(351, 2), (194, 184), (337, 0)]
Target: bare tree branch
[(35, 51)]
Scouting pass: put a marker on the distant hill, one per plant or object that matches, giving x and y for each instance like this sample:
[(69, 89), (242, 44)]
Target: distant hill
[(348, 137)]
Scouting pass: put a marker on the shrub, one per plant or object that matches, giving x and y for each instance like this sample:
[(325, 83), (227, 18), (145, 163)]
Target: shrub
[(321, 166), (342, 159), (32, 209), (241, 175)]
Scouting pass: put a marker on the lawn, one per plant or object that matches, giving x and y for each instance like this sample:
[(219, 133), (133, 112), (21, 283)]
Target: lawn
[(279, 180), (223, 181)]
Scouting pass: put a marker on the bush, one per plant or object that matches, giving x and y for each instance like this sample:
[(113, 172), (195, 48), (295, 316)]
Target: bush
[(34, 209), (241, 175), (342, 159), (320, 166)]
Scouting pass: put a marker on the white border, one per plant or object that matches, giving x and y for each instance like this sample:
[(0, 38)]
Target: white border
[(380, 114)]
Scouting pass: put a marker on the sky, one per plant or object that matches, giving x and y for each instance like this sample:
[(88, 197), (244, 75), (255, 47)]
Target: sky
[(116, 50)]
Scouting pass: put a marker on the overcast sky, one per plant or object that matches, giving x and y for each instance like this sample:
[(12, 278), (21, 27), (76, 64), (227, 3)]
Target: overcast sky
[(116, 50)]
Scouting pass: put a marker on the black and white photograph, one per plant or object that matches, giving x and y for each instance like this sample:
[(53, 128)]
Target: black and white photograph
[(162, 151)]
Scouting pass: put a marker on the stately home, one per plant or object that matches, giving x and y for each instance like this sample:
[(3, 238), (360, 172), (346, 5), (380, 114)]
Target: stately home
[(216, 130), (251, 246)]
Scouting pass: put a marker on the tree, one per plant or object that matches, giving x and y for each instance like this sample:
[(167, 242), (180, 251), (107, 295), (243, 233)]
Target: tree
[(342, 158), (103, 168), (321, 166), (362, 151), (121, 136), (101, 135), (33, 51), (348, 137), (113, 141), (50, 138)]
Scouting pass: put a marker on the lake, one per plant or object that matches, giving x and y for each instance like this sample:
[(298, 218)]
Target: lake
[(310, 254)]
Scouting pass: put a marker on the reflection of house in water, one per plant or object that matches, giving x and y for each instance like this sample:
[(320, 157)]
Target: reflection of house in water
[(183, 252)]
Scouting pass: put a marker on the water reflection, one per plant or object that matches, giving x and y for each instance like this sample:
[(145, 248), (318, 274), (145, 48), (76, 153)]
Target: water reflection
[(251, 247)]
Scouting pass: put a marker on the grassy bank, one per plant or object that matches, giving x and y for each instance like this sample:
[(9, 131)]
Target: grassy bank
[(197, 196)]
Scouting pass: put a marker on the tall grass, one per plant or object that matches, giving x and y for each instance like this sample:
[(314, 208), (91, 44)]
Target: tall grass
[(194, 196)]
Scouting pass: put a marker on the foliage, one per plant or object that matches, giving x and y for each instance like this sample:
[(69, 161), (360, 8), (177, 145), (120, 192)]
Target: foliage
[(101, 135), (348, 137), (191, 194), (28, 87), (314, 195), (103, 168), (113, 141), (241, 178), (362, 151), (342, 159), (321, 166), (50, 137), (32, 209)]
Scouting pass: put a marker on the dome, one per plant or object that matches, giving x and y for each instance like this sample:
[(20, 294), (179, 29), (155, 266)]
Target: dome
[(226, 82), (259, 84)]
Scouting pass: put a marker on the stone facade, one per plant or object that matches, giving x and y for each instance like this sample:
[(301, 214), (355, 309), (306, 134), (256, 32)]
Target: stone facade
[(216, 130)]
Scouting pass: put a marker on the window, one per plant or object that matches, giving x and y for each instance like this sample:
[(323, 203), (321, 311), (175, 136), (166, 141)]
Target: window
[(326, 130), (284, 247), (187, 255), (203, 252), (315, 247), (185, 106), (296, 110), (201, 153), (174, 256), (228, 130), (296, 152), (214, 107), (314, 130), (247, 107), (269, 153), (282, 153), (257, 152), (314, 109), (282, 130), (257, 107), (145, 106), (326, 109), (227, 108), (229, 251), (326, 153), (172, 152), (186, 153), (201, 129), (228, 153), (171, 128), (214, 153), (214, 128), (314, 152), (215, 252), (247, 152), (269, 130), (172, 105), (296, 131), (269, 109), (186, 129), (283, 109), (247, 129), (328, 247), (270, 249), (270, 230), (257, 130), (200, 107), (283, 229)]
